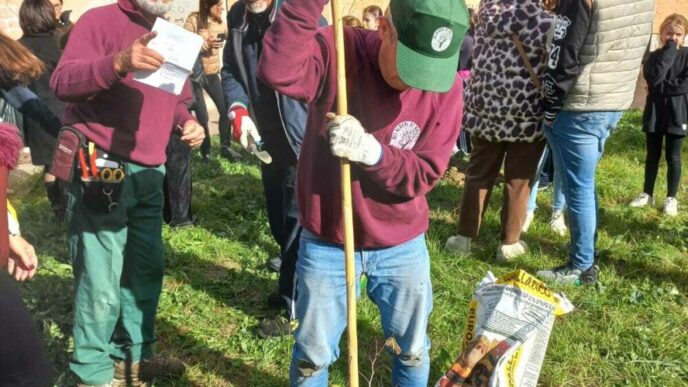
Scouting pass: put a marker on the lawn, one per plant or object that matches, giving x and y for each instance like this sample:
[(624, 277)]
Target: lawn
[(630, 329)]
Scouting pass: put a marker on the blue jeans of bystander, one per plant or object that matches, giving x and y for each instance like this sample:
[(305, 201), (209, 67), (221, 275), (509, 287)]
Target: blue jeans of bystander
[(577, 141)]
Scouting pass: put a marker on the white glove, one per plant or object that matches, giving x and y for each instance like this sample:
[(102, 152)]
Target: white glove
[(243, 126), (348, 139)]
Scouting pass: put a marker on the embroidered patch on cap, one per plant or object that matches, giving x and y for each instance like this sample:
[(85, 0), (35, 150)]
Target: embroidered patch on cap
[(442, 38)]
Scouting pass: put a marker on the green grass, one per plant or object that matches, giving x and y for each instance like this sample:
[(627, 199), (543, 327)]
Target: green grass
[(631, 329)]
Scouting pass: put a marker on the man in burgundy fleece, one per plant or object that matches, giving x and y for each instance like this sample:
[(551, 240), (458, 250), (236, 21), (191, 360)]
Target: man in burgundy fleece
[(403, 88), (116, 250)]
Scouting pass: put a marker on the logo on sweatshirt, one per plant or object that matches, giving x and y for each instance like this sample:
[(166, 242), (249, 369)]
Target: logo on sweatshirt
[(405, 135), (442, 38)]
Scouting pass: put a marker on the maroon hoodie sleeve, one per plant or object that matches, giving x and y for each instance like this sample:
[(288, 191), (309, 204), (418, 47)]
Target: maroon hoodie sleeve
[(86, 67), (294, 58), (412, 173)]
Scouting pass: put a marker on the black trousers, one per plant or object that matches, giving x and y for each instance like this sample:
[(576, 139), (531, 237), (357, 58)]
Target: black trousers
[(201, 112), (672, 154), (177, 185), (22, 360), (279, 185), (212, 86)]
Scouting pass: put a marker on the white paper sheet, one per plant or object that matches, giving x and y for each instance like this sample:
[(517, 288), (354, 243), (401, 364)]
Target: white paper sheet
[(180, 48)]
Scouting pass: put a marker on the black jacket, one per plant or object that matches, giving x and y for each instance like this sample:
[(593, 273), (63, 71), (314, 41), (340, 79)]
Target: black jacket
[(239, 82), (45, 47), (666, 107)]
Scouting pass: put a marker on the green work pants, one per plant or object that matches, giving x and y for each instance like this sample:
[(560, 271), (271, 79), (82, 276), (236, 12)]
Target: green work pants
[(118, 268)]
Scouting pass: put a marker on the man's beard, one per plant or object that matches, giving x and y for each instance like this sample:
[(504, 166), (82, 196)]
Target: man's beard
[(257, 6), (153, 7)]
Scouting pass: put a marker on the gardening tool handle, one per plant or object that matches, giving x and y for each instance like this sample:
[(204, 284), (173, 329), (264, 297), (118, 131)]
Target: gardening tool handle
[(347, 207)]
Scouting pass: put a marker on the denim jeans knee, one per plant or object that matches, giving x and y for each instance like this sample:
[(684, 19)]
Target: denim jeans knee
[(398, 275)]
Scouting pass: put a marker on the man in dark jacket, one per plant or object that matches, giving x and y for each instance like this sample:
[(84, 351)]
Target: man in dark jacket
[(260, 113)]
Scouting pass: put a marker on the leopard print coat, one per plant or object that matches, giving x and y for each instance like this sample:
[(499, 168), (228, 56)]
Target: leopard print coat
[(502, 104)]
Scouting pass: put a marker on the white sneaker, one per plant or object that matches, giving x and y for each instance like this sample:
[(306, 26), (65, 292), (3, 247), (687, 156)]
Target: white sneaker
[(670, 206), (642, 200), (530, 215), (506, 253), (557, 223), (458, 244)]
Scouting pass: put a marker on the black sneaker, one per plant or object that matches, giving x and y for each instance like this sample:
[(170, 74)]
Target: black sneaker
[(278, 326), (229, 153)]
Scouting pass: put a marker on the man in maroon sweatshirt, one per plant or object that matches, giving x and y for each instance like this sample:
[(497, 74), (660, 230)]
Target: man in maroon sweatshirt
[(114, 226), (402, 86)]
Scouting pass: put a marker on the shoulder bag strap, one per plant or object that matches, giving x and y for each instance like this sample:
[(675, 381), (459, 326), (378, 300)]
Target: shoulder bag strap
[(524, 57)]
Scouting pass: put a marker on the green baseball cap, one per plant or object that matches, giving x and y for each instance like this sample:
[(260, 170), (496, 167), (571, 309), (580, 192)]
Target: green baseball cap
[(430, 35)]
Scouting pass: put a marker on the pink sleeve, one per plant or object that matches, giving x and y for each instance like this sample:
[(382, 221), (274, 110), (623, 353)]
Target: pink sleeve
[(85, 68), (295, 56)]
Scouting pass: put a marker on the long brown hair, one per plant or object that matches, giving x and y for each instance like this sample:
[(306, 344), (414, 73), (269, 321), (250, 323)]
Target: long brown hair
[(204, 12), (17, 64)]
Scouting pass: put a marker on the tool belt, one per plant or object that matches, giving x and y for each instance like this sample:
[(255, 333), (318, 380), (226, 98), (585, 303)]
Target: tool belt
[(101, 175)]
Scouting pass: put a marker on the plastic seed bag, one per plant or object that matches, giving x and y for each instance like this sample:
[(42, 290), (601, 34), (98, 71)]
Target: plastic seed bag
[(507, 331)]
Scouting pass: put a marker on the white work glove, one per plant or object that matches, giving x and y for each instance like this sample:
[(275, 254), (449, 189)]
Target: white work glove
[(349, 140), (243, 126)]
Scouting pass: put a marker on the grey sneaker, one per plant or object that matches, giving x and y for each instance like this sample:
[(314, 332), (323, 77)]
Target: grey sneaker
[(275, 263), (567, 275), (95, 385)]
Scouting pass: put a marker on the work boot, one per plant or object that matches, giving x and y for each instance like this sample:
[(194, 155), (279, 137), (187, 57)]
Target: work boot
[(147, 370), (278, 326), (506, 253), (56, 199), (458, 244)]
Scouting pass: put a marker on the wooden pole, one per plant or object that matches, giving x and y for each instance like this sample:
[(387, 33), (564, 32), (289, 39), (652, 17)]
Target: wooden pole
[(347, 209)]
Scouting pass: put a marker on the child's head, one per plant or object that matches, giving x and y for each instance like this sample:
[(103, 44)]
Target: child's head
[(673, 28), (371, 14)]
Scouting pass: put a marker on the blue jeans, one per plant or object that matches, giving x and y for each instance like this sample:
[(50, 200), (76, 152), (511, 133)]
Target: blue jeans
[(558, 199), (577, 142), (398, 283)]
